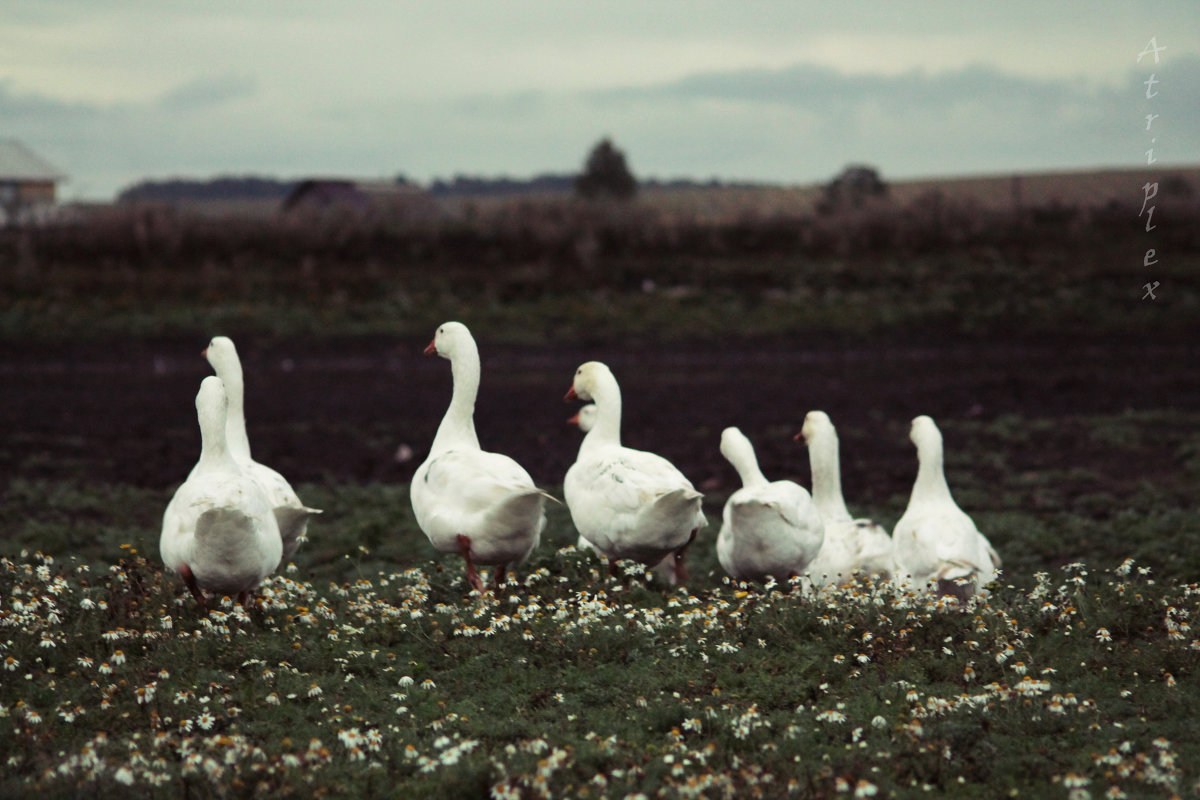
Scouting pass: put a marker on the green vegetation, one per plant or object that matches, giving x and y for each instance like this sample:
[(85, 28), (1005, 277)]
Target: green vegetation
[(367, 669), (399, 684), (570, 270)]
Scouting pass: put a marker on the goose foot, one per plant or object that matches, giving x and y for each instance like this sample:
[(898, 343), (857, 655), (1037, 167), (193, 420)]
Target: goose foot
[(189, 580), (681, 573), (464, 546)]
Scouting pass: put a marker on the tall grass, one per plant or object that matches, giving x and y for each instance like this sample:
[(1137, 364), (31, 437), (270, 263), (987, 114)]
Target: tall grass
[(576, 271)]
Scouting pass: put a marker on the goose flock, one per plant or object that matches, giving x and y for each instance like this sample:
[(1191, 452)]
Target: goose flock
[(234, 521)]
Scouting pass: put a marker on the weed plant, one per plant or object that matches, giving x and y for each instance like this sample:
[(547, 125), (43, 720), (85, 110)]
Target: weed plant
[(572, 683), (369, 668)]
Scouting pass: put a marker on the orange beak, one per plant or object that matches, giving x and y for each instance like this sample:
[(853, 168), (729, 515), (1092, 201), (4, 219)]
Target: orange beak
[(798, 437), (204, 353), (431, 350), (570, 395), (573, 420)]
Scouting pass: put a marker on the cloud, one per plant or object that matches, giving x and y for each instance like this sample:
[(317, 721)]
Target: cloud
[(207, 92), (974, 119), (797, 124)]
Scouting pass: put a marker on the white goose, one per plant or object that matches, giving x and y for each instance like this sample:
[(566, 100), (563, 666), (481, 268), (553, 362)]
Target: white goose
[(291, 514), (628, 503), (769, 528), (851, 545), (467, 500), (585, 420), (219, 532), (935, 542)]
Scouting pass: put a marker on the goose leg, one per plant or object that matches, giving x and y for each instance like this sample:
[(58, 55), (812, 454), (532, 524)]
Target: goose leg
[(681, 573), (498, 578), (464, 545), (243, 599), (189, 580)]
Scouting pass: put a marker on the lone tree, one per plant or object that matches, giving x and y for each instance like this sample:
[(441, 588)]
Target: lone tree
[(605, 174), (856, 186)]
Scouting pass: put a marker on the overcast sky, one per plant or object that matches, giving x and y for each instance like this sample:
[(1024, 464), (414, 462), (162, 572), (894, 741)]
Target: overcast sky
[(771, 90)]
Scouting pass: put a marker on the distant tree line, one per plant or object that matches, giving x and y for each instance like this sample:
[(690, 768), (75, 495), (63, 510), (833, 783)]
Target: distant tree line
[(222, 188), (256, 188), (605, 174)]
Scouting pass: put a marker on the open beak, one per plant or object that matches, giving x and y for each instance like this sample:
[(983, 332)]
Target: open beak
[(570, 395), (431, 350)]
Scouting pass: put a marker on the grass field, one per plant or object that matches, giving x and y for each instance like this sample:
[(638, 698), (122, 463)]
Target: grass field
[(368, 669)]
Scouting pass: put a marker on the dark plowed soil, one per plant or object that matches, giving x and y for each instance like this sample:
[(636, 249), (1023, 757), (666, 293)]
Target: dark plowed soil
[(325, 410)]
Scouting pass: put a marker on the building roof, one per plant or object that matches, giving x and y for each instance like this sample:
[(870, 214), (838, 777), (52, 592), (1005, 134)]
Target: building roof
[(19, 163)]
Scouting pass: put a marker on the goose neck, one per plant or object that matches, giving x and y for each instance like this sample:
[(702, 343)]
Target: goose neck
[(607, 427), (931, 483), (458, 426), (237, 440), (827, 479), (746, 464), (215, 454)]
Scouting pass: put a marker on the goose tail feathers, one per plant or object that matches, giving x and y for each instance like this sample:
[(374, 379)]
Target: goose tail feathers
[(517, 510), (667, 509), (293, 525)]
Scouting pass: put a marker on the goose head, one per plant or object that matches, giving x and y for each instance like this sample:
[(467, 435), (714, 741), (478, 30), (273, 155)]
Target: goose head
[(588, 378), (817, 425), (925, 435), (450, 338), (740, 453), (735, 446), (222, 355), (585, 419), (211, 399), (212, 402)]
